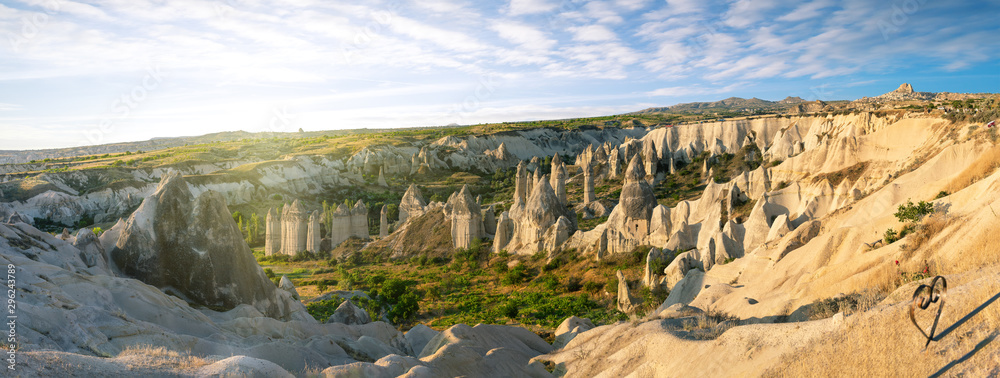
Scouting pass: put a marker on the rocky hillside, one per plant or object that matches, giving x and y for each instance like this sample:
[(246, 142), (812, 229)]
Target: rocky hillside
[(776, 246)]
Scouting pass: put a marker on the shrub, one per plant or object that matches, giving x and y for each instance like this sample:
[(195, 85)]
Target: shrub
[(405, 309), (322, 310), (910, 212), (573, 284), (516, 275)]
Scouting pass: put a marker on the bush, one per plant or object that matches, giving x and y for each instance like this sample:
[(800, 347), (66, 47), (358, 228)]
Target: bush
[(322, 310), (516, 275), (910, 212), (405, 310), (573, 284)]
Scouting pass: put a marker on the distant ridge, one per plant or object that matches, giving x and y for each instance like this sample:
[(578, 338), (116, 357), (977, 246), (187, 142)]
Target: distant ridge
[(732, 104)]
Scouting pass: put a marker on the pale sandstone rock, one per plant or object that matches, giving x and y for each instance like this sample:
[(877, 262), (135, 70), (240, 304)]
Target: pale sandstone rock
[(293, 229), (412, 205), (383, 229), (272, 233), (313, 238), (466, 218)]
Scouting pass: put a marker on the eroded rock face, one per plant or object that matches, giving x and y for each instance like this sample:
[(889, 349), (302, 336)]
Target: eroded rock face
[(192, 246), (533, 220), (272, 233), (466, 218), (359, 220), (383, 229), (505, 231), (313, 239), (350, 314), (629, 223), (588, 185), (294, 229), (412, 205)]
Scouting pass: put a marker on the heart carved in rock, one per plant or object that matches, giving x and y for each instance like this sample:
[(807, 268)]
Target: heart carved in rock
[(923, 297)]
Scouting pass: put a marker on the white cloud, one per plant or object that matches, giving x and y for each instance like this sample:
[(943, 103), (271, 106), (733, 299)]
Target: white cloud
[(8, 107), (593, 33), (806, 11), (681, 91), (632, 5), (524, 35), (522, 7)]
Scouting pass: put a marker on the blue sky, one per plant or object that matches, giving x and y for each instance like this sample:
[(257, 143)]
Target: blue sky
[(80, 73)]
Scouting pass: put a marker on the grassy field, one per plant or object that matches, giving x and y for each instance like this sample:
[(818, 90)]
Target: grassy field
[(475, 286)]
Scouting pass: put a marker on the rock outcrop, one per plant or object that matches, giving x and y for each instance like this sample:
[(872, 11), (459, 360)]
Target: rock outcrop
[(359, 221), (350, 314), (272, 233), (521, 183), (293, 229), (627, 303), (628, 225), (340, 225), (588, 185), (534, 219), (558, 179), (313, 238), (466, 218), (192, 246), (383, 229), (412, 205), (505, 231)]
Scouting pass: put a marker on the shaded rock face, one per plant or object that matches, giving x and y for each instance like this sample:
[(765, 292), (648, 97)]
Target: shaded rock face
[(412, 204), (313, 233), (348, 313), (521, 183), (629, 223), (558, 179), (91, 251), (272, 233), (533, 220), (340, 225), (383, 229), (466, 218), (504, 232), (193, 246), (588, 185), (293, 229), (626, 302), (359, 220)]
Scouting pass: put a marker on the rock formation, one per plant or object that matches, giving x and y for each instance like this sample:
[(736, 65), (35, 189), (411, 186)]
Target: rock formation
[(629, 223), (350, 314), (504, 232), (383, 229), (313, 238), (381, 178), (489, 220), (588, 185), (340, 225), (558, 179), (627, 303), (359, 221), (192, 245), (521, 183), (293, 229), (533, 220), (614, 166), (466, 218), (412, 205), (286, 284), (272, 233)]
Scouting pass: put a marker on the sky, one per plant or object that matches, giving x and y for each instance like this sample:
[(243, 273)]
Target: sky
[(83, 73)]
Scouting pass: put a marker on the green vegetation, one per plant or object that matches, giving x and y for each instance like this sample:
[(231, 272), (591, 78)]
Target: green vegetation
[(908, 213)]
